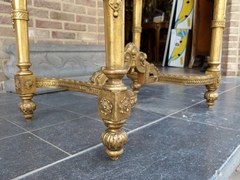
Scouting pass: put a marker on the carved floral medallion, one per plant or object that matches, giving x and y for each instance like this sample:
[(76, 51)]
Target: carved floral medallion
[(124, 105), (106, 106)]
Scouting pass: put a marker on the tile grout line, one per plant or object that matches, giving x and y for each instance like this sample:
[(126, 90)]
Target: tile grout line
[(13, 135), (229, 89), (27, 131), (59, 108), (158, 120), (222, 127), (50, 143), (59, 161), (55, 124)]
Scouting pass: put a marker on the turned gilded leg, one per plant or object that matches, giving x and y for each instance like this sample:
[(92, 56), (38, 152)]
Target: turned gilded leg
[(25, 81), (135, 86), (218, 24), (114, 100), (136, 32), (137, 22)]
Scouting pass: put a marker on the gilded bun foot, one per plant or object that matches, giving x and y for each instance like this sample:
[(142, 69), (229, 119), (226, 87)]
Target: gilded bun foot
[(114, 141), (211, 97), (27, 106)]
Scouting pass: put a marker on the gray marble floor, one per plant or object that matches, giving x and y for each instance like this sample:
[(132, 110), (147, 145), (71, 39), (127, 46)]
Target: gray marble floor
[(172, 135)]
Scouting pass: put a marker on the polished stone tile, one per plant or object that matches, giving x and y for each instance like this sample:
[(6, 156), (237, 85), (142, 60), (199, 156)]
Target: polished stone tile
[(232, 96), (9, 110), (177, 95), (169, 149), (73, 136), (224, 113), (127, 82), (6, 98), (8, 129), (161, 106), (57, 99), (230, 80), (24, 153), (86, 106), (150, 91), (66, 93), (43, 116), (137, 118)]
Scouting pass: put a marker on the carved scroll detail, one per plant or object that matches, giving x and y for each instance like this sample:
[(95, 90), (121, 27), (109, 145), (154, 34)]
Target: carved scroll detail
[(98, 78)]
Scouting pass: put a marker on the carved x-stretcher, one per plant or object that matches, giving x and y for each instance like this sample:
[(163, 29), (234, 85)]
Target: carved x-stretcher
[(114, 99)]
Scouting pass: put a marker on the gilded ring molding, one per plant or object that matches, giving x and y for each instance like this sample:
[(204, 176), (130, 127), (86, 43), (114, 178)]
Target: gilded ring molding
[(218, 24), (20, 15)]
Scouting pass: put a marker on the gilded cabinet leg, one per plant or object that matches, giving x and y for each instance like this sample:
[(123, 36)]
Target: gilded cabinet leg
[(25, 81), (137, 22), (114, 103), (218, 24), (211, 95), (114, 108), (136, 33), (135, 87)]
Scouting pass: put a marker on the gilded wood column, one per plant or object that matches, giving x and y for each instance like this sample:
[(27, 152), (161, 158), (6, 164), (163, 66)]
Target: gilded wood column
[(25, 81), (137, 22), (136, 33), (114, 101), (218, 24)]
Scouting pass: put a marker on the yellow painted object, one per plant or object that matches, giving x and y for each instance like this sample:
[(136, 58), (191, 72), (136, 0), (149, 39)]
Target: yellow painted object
[(184, 13), (177, 47)]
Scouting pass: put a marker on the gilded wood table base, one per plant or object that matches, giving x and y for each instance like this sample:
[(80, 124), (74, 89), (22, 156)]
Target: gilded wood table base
[(114, 99)]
